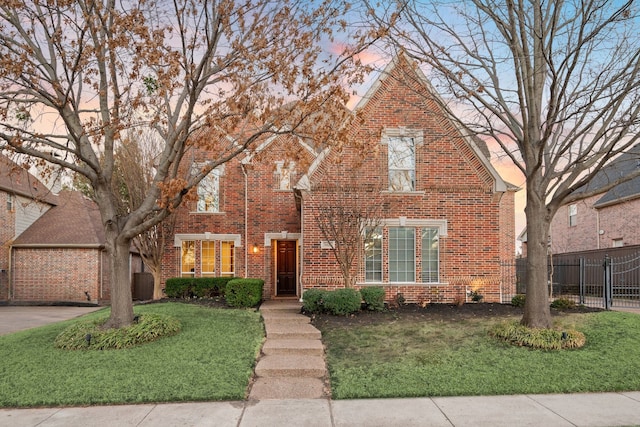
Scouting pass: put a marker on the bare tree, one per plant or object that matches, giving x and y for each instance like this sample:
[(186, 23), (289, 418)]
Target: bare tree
[(554, 84), (349, 215), (76, 74)]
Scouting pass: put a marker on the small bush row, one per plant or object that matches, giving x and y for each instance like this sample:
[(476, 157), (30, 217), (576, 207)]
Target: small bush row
[(237, 292), (342, 302), (558, 303), (546, 339), (91, 335), (198, 287)]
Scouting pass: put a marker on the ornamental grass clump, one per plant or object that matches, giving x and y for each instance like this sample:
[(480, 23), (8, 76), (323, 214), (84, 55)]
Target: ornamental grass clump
[(545, 339), (91, 335)]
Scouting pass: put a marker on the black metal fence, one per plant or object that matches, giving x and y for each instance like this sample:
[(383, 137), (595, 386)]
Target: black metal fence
[(606, 278)]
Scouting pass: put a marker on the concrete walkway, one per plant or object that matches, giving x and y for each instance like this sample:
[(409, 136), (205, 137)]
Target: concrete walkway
[(589, 410), (292, 364)]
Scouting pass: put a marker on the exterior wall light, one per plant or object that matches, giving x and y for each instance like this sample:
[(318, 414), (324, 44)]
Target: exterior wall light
[(255, 248)]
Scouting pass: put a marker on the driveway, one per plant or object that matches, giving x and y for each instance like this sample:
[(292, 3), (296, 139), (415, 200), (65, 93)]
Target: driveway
[(16, 318)]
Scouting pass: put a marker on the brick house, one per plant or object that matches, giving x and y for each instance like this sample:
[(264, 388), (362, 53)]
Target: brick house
[(608, 219), (52, 244), (446, 217)]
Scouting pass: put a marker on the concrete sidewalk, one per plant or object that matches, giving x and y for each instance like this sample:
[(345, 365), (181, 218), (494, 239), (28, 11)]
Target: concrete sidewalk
[(597, 409)]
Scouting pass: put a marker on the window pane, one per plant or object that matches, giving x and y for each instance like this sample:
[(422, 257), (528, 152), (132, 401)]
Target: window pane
[(208, 259), (227, 259), (430, 255), (188, 258), (209, 192), (373, 255), (402, 164), (402, 254)]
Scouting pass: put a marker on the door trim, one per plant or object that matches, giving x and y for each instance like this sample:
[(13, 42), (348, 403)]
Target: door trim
[(275, 268)]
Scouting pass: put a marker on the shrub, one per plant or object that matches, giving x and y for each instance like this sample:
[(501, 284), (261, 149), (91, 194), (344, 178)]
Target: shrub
[(342, 301), (312, 300), (518, 300), (546, 339), (201, 287), (244, 292), (373, 298), (91, 335), (563, 303)]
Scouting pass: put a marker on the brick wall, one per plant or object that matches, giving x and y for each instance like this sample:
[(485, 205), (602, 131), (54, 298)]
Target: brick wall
[(451, 184), (270, 210), (7, 233), (54, 275), (619, 221)]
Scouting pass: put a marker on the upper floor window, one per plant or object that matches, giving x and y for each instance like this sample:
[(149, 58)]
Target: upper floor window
[(573, 215), (283, 175), (617, 243), (209, 192), (402, 164), (10, 202)]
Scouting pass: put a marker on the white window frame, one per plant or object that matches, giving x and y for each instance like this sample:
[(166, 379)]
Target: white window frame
[(427, 273), (394, 274), (391, 136), (231, 273), (190, 273), (573, 214), (381, 254), (208, 186), (212, 246)]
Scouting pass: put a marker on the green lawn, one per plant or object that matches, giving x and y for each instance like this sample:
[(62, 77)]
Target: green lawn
[(212, 358), (410, 358)]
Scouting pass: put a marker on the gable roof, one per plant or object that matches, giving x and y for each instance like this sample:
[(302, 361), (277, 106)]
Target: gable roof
[(477, 145), (75, 221), (625, 164), (14, 179)]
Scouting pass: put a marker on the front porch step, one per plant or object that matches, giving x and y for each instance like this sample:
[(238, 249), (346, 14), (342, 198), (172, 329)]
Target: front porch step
[(278, 316), (288, 388), (270, 306), (291, 331), (300, 347), (291, 366)]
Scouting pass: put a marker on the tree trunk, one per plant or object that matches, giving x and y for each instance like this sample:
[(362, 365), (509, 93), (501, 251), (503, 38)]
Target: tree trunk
[(157, 284), (121, 300), (536, 309)]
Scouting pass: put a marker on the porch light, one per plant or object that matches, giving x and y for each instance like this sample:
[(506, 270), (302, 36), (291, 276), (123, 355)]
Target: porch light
[(255, 248)]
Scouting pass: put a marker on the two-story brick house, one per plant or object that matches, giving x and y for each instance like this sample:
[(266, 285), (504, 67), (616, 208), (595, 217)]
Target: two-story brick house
[(608, 219), (446, 218)]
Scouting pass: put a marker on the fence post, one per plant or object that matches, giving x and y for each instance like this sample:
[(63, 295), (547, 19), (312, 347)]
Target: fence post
[(607, 282), (582, 281)]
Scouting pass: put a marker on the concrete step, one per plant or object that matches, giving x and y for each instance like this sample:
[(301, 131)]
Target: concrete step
[(298, 347), (278, 316), (291, 366), (291, 331), (291, 306), (288, 388)]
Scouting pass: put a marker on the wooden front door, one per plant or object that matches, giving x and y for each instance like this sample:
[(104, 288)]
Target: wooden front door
[(286, 270)]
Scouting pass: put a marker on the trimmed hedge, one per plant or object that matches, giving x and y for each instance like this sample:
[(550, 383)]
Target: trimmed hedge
[(342, 302), (312, 300), (373, 298), (200, 287), (244, 292)]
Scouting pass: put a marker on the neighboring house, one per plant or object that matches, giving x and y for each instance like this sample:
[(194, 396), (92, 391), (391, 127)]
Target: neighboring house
[(23, 199), (52, 245), (607, 220), (446, 217)]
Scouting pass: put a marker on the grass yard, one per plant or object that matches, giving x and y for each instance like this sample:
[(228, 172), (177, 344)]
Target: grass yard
[(438, 357), (212, 358)]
